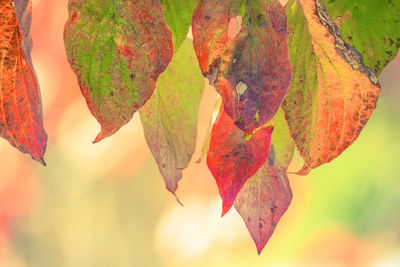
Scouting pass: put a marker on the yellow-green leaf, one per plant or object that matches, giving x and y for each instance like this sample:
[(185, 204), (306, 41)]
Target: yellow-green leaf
[(169, 118)]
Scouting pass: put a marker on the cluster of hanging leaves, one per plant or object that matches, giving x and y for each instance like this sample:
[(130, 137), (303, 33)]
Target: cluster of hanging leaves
[(299, 76)]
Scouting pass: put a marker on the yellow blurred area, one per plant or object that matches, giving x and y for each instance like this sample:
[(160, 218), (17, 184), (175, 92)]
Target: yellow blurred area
[(106, 204)]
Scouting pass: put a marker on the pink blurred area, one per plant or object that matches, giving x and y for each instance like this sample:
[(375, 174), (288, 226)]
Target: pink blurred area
[(106, 204), (69, 124)]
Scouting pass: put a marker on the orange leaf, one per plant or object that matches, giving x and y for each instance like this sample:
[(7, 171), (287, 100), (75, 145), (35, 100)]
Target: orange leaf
[(21, 120), (332, 94)]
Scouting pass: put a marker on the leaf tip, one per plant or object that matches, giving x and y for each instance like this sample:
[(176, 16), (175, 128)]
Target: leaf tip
[(42, 161), (172, 187), (225, 208), (260, 246), (305, 170), (105, 132), (179, 201), (39, 157), (98, 138)]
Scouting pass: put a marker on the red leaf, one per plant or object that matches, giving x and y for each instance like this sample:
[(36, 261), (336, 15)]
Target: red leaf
[(262, 202), (266, 195), (242, 49), (21, 120), (233, 157)]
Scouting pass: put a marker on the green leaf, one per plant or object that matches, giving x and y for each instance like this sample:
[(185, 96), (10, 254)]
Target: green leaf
[(117, 48), (178, 14), (371, 26), (170, 117), (266, 195)]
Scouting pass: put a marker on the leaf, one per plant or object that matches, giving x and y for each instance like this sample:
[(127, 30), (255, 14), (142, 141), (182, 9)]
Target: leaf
[(332, 94), (266, 195), (233, 157), (242, 49), (23, 10), (178, 14), (21, 121), (169, 118), (372, 27), (117, 49)]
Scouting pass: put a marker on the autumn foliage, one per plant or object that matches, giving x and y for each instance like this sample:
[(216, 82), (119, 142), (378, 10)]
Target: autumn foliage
[(300, 76)]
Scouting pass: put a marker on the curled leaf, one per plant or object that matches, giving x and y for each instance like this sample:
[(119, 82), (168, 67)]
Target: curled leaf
[(242, 49), (23, 10), (332, 94), (21, 121), (233, 157), (117, 49)]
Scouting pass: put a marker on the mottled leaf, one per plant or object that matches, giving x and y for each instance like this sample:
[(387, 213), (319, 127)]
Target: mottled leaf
[(178, 14), (372, 27), (242, 49), (170, 117), (332, 93), (233, 157), (21, 121), (266, 195), (117, 49)]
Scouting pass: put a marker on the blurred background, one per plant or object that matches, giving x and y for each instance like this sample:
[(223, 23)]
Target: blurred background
[(106, 204)]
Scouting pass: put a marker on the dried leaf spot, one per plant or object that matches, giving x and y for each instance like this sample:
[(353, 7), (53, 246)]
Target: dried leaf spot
[(234, 26), (338, 21), (240, 90), (212, 73), (349, 53)]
